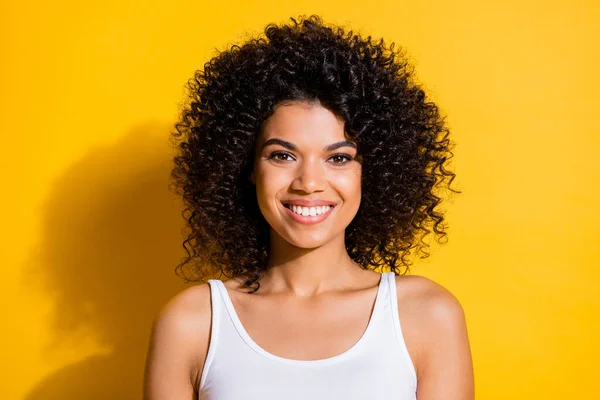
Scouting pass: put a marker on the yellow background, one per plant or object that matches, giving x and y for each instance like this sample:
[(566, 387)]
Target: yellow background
[(91, 234)]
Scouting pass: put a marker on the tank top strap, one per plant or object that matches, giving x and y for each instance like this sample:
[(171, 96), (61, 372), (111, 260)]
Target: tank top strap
[(216, 305), (227, 309), (398, 325)]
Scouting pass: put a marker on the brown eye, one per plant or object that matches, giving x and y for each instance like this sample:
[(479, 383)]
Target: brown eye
[(341, 159), (279, 156)]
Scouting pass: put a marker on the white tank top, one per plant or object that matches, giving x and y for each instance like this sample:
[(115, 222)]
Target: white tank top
[(378, 366)]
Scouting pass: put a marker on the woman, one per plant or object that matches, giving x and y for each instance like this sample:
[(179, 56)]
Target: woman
[(307, 162)]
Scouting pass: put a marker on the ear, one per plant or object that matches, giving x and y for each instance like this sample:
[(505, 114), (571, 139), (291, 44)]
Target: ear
[(251, 178)]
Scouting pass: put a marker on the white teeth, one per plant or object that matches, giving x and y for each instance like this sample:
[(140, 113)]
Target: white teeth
[(309, 211)]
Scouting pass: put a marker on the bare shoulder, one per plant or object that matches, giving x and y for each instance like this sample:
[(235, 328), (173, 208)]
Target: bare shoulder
[(431, 299), (179, 343), (432, 319), (188, 311), (186, 318)]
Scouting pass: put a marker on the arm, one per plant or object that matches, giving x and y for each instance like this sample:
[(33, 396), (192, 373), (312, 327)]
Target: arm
[(178, 346), (446, 371)]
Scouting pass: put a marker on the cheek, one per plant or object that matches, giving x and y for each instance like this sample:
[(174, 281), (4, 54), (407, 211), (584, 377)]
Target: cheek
[(271, 180), (349, 185), (269, 183)]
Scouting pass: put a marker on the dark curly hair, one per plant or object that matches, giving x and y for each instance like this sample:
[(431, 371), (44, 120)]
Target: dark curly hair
[(403, 142)]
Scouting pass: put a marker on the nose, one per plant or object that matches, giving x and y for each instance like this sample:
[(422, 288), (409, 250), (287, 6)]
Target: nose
[(310, 177)]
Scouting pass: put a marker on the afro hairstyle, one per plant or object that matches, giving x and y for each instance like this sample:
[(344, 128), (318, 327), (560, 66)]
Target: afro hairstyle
[(402, 141)]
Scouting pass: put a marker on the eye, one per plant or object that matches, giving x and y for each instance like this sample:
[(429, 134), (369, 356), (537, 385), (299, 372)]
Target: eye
[(279, 156), (339, 159), (342, 158)]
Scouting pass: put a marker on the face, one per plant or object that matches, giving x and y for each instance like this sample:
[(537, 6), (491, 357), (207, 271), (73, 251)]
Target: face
[(303, 159)]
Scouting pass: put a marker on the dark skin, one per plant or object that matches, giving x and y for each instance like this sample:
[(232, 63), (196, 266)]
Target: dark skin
[(312, 293)]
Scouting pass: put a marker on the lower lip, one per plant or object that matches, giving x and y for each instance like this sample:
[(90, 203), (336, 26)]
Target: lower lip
[(308, 220)]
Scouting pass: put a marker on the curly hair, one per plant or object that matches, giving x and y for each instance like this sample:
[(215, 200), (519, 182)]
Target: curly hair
[(403, 142)]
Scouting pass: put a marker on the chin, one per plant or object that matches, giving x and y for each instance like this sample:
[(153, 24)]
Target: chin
[(307, 241)]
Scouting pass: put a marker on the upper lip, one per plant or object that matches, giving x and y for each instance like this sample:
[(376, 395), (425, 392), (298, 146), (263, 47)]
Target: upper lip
[(309, 203)]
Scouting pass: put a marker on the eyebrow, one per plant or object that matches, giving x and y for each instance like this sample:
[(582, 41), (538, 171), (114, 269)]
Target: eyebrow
[(291, 146)]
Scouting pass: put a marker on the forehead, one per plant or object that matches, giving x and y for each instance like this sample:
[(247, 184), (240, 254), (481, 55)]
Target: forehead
[(303, 122)]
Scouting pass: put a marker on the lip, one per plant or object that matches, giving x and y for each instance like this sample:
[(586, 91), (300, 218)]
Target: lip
[(309, 220), (308, 203)]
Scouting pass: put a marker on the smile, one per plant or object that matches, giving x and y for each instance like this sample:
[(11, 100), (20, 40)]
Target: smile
[(308, 215)]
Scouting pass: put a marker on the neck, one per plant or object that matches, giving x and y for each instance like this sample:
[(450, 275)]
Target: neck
[(309, 272)]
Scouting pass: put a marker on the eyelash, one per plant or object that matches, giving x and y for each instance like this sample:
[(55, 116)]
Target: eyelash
[(278, 153)]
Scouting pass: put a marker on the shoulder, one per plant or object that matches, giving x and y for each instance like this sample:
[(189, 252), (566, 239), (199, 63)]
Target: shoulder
[(429, 297), (432, 318), (186, 317), (186, 311), (179, 338)]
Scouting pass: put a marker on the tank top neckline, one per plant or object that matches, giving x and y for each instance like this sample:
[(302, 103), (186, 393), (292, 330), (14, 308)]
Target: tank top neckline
[(290, 361)]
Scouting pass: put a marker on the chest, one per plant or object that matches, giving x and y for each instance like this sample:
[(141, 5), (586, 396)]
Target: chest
[(305, 329)]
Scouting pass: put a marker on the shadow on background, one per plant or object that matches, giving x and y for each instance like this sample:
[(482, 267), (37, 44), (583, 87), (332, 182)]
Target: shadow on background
[(111, 237)]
